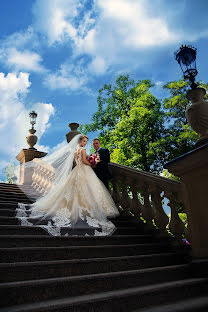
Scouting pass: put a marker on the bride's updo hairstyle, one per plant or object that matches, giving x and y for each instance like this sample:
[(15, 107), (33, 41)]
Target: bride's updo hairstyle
[(82, 137)]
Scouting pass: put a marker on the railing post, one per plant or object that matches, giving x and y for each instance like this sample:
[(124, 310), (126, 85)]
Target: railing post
[(115, 194), (192, 168), (136, 207), (160, 218), (125, 200), (147, 210), (176, 225)]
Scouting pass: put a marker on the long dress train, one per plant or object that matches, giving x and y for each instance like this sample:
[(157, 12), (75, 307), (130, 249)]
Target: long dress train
[(81, 205)]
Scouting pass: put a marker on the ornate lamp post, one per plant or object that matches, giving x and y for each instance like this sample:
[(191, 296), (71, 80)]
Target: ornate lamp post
[(32, 138), (186, 58), (192, 168), (25, 155), (33, 116), (197, 113)]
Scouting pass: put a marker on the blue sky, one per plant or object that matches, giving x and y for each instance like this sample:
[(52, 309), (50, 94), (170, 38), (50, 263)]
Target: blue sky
[(56, 54)]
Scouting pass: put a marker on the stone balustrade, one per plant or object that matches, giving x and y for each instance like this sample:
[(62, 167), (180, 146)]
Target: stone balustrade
[(141, 194), (136, 193), (42, 177)]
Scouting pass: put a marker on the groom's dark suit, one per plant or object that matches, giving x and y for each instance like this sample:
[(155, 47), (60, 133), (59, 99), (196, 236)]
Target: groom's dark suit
[(102, 171)]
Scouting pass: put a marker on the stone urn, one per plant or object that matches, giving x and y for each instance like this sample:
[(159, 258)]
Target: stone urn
[(73, 126), (32, 139), (197, 114)]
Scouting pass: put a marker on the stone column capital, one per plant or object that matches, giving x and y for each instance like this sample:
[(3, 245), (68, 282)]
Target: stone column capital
[(26, 155)]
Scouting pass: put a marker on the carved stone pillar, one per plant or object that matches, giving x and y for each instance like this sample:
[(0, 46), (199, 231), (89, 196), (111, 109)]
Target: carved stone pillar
[(192, 168), (25, 155), (73, 126)]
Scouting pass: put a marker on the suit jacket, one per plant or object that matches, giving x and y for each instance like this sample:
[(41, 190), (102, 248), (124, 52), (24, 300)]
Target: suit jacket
[(102, 169)]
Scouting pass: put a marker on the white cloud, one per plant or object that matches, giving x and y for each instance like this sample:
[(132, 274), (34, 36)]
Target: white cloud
[(69, 77), (17, 51), (25, 60), (53, 18), (25, 39), (14, 119), (113, 35), (110, 33), (133, 25), (58, 146)]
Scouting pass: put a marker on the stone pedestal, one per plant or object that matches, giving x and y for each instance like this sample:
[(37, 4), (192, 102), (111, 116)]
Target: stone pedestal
[(25, 155), (192, 168), (73, 126)]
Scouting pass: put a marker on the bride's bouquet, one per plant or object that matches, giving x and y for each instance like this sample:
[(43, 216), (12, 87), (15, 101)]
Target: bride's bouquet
[(94, 159)]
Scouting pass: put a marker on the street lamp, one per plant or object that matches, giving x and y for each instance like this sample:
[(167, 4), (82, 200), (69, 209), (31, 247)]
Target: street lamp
[(33, 115), (197, 112), (186, 58), (32, 138)]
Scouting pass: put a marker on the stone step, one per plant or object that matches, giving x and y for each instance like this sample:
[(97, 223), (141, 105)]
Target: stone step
[(15, 199), (21, 230), (46, 289), (8, 241), (120, 300), (37, 230), (7, 212), (10, 212), (12, 192), (5, 190), (9, 186), (23, 254), (14, 221), (9, 205), (19, 271), (199, 304)]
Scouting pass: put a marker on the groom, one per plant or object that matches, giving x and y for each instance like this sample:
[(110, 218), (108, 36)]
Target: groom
[(102, 171)]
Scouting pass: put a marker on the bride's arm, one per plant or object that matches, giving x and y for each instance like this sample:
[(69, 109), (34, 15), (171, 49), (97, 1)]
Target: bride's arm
[(84, 158)]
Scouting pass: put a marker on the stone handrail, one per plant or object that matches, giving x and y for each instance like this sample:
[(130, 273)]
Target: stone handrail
[(141, 194), (42, 177)]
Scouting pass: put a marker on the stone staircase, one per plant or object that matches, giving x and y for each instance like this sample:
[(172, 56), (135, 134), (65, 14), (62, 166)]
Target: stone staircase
[(132, 270)]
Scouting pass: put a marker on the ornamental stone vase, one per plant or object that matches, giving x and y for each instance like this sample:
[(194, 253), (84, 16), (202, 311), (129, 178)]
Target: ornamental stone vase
[(197, 114), (73, 126), (32, 139)]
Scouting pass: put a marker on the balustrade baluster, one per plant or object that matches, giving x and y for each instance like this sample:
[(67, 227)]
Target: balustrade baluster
[(147, 210), (160, 218), (136, 206), (115, 194), (176, 226), (125, 200)]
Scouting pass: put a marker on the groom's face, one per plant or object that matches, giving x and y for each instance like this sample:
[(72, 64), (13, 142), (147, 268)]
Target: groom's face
[(96, 144)]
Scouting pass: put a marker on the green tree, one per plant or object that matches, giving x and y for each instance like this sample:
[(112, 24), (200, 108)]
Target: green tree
[(9, 171), (130, 121)]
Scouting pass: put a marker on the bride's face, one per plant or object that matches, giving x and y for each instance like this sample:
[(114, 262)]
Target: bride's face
[(83, 142)]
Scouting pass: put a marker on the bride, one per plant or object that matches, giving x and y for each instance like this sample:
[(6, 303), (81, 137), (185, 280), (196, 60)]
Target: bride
[(77, 202)]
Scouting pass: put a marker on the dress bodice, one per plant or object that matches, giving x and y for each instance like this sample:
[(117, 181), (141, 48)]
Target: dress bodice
[(78, 155)]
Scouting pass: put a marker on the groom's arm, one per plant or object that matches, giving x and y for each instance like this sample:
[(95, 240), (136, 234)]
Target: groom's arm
[(106, 156)]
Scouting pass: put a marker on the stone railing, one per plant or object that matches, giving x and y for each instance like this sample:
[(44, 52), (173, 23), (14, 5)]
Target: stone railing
[(141, 194), (42, 177)]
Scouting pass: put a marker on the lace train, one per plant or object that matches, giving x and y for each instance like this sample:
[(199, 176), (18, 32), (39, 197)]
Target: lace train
[(80, 206)]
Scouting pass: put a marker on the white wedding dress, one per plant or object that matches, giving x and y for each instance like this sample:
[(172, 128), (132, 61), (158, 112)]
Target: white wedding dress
[(79, 205)]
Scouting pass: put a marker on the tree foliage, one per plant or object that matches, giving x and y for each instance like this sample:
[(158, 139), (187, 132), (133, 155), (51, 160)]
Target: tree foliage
[(139, 130), (9, 171), (130, 121)]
